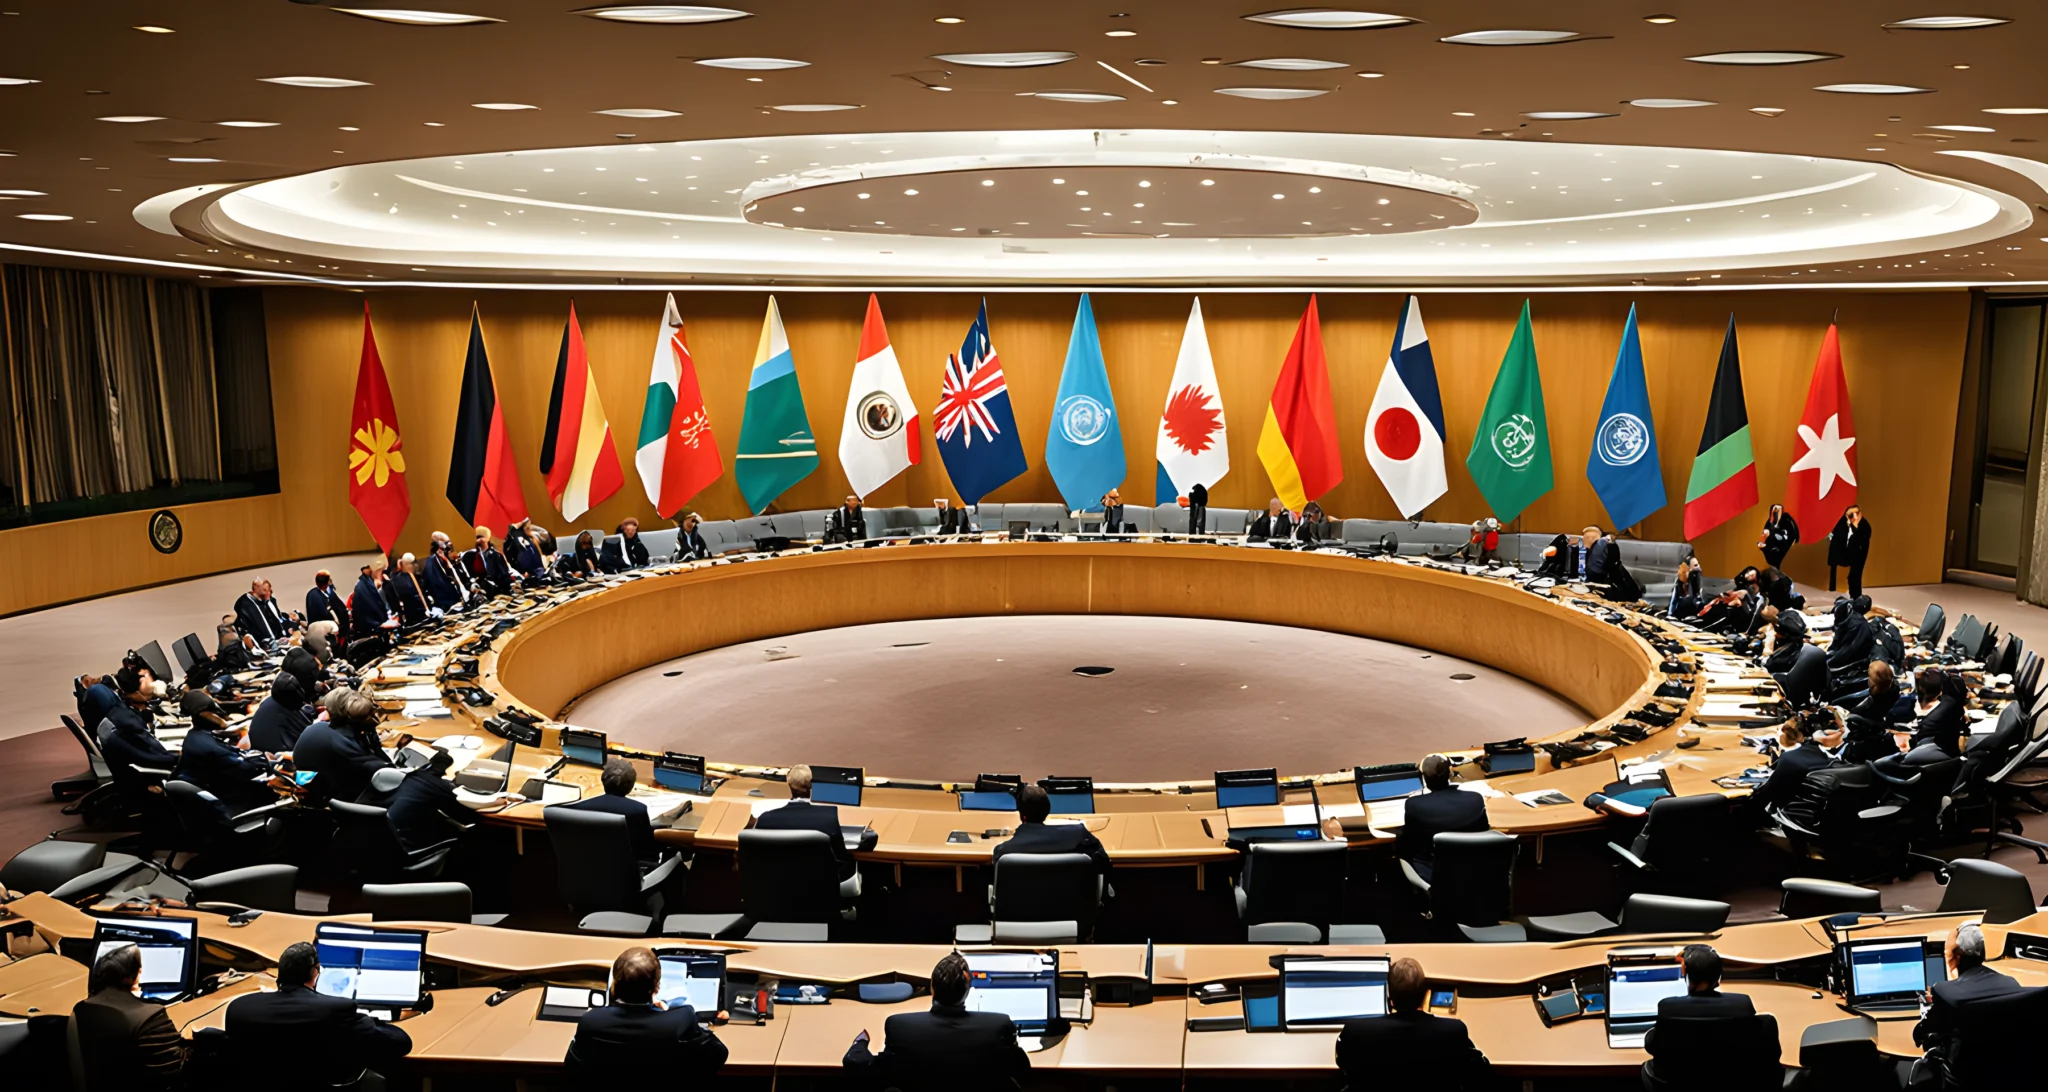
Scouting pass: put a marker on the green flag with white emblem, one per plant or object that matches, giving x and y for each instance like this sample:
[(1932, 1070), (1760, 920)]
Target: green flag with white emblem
[(1510, 459)]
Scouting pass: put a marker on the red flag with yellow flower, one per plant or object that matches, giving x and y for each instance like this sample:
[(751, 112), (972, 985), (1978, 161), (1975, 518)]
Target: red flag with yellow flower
[(376, 463)]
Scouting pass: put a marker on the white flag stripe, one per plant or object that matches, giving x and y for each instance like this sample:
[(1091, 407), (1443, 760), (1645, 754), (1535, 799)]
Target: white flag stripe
[(1413, 473), (880, 423), (1193, 415), (665, 370)]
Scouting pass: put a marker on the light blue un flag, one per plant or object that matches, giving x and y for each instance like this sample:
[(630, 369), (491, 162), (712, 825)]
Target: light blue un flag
[(1084, 448), (1623, 466)]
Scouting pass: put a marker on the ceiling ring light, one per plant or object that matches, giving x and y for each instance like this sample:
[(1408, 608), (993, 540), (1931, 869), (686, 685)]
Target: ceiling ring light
[(1670, 104), (1273, 94), (668, 14), (1076, 96), (815, 107), (1290, 64), (1330, 19), (414, 17), (1037, 59), (1873, 89), (752, 64), (313, 81), (639, 112), (1764, 57), (1512, 37), (1946, 22), (1566, 115)]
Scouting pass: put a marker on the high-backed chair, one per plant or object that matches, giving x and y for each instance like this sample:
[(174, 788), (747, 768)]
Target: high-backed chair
[(789, 885), (1715, 1054), (445, 901), (1291, 882), (369, 851), (1804, 897), (218, 838), (1841, 1056), (1472, 885), (1679, 836), (598, 875), (272, 887), (1932, 624), (47, 865), (1642, 914), (1995, 1045), (1039, 898), (2000, 892), (85, 782)]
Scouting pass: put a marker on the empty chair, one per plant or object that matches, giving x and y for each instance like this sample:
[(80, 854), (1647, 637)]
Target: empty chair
[(2000, 892), (48, 865), (86, 781), (368, 851), (1931, 625), (1841, 1056), (1039, 898), (598, 875), (1679, 836), (1472, 885), (1292, 882), (217, 838), (444, 901), (1804, 897), (789, 885), (1641, 914), (272, 887)]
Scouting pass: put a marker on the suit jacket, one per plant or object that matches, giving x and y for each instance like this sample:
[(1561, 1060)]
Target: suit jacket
[(1266, 526), (954, 521), (343, 760), (446, 581), (1849, 546), (1706, 1040), (306, 1038), (1801, 671), (127, 742), (1444, 811), (847, 524), (1787, 774), (1410, 1050), (233, 775), (276, 726), (367, 609), (1937, 1030), (645, 848), (94, 703), (938, 1050), (523, 555), (127, 1043), (631, 1042), (622, 553), (488, 569), (254, 621), (1056, 838), (408, 596), (1112, 519), (690, 546), (424, 810), (804, 815), (325, 605), (1942, 727), (1779, 537)]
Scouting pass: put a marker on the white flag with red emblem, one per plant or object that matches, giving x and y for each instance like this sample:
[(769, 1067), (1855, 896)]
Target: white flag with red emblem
[(1823, 479), (1404, 430), (1194, 447), (878, 439)]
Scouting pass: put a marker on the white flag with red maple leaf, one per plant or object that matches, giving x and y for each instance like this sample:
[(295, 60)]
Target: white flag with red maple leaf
[(1194, 446)]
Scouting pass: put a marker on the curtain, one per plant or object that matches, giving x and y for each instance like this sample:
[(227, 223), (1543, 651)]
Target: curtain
[(241, 360)]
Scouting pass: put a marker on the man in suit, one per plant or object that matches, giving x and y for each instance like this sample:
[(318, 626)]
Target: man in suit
[(690, 544), (1801, 669), (1198, 509), (125, 1042), (1969, 980), (1035, 835), (1803, 741), (801, 814), (636, 1036), (1275, 523), (944, 1049), (369, 612), (847, 523), (307, 1039), (126, 740), (1409, 1048), (1113, 512), (448, 584), (424, 810), (487, 566), (625, 551), (282, 718), (96, 698), (342, 746), (1443, 809), (324, 604), (406, 594), (253, 620), (1704, 1037), (952, 521), (523, 552), (618, 779), (219, 761)]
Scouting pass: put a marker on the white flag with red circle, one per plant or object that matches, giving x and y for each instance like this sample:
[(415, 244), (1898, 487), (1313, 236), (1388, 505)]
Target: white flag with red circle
[(1404, 430)]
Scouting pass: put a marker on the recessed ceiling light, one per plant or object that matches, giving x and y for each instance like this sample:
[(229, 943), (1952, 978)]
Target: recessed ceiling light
[(1007, 60), (41, 216), (1279, 197), (641, 112), (1077, 96), (192, 159), (949, 19), (415, 18), (1120, 34), (752, 64), (23, 193), (1149, 62), (1510, 37), (1946, 22), (351, 129), (1965, 128), (1273, 94), (1872, 89), (15, 81), (663, 13), (1565, 115), (1764, 56), (1660, 19), (314, 81), (156, 30), (247, 124), (1208, 181), (1767, 111), (910, 193), (131, 119), (937, 87), (503, 106), (1370, 75), (1330, 19), (1462, 114), (1668, 104), (2016, 109), (441, 125), (1291, 64), (815, 107)]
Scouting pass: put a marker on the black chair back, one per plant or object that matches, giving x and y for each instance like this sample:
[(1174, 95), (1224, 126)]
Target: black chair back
[(89, 745), (2000, 892), (1995, 1045), (1047, 887), (594, 863), (1294, 881), (1682, 831), (445, 901), (1931, 625), (1721, 1054), (1473, 882), (199, 819), (49, 864), (270, 887), (788, 876), (1645, 913)]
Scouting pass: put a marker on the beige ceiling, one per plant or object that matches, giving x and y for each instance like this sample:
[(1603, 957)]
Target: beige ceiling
[(878, 55)]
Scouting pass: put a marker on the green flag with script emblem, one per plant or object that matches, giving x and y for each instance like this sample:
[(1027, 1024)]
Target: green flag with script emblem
[(1510, 458)]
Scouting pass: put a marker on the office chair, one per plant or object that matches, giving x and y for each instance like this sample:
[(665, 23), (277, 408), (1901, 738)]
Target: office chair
[(214, 837), (598, 876), (1471, 886), (1931, 626), (258, 887), (1841, 816), (1804, 897), (789, 885), (1039, 898), (1997, 1042), (369, 851), (2000, 892), (1841, 1056), (1680, 835), (1640, 915), (1998, 776), (445, 901), (49, 864), (1293, 893), (1716, 1054), (86, 782)]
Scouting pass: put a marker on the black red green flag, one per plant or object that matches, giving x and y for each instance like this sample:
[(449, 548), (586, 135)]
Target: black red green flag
[(1723, 482)]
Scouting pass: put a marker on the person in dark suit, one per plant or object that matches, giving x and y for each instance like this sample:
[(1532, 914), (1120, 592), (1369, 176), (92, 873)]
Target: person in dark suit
[(1409, 1048), (1942, 1022), (308, 1039), (487, 566), (1779, 590), (1698, 1040), (1276, 522), (424, 810), (282, 717), (126, 740), (124, 1042), (1686, 600), (1443, 809), (1938, 723), (523, 552), (368, 611), (1113, 512), (253, 620), (801, 814), (219, 761), (1198, 509), (1849, 547), (952, 521), (96, 698), (1881, 697), (324, 604), (448, 583), (1035, 835), (1315, 528), (618, 779), (1802, 741), (625, 550), (1781, 533), (847, 523), (690, 544), (944, 1049), (636, 1036), (342, 747), (1801, 669), (406, 595), (582, 562)]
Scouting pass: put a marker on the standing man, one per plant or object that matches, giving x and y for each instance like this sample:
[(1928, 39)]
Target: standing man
[(308, 1036), (947, 1048), (1780, 534), (636, 1035), (1849, 546)]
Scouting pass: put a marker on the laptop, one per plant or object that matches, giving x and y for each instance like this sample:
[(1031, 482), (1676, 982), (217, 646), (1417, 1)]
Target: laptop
[(682, 773), (583, 746), (489, 775), (1637, 979), (1020, 984), (1325, 992), (837, 785), (381, 970), (1885, 976), (1376, 783), (1070, 795), (170, 964), (1248, 788), (693, 977)]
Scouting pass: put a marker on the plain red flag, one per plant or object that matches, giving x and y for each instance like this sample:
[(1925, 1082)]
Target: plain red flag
[(376, 456), (1823, 479)]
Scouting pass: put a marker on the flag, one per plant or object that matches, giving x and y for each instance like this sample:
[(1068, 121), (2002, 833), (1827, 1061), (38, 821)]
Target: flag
[(483, 479), (1298, 443), (1822, 484), (677, 454), (1723, 481), (1404, 430), (776, 449), (1623, 465), (577, 455), (975, 425), (879, 436), (1194, 444), (1084, 449), (376, 463), (1510, 456)]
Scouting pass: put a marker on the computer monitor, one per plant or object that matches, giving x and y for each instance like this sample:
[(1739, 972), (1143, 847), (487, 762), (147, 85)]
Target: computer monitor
[(837, 785), (190, 649), (988, 801), (170, 965), (1884, 969), (694, 977), (679, 772), (1070, 795), (1019, 984), (375, 968), (998, 782), (1248, 788), (1635, 984), (1387, 782), (152, 654), (1321, 992), (583, 746)]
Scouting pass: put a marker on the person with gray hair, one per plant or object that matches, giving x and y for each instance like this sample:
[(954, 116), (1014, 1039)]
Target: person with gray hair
[(341, 746), (1969, 980), (123, 1041)]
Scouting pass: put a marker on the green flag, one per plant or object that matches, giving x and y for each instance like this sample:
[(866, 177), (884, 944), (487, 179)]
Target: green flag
[(777, 449), (1510, 459)]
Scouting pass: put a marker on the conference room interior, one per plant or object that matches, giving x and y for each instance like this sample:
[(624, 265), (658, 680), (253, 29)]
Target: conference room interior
[(299, 287)]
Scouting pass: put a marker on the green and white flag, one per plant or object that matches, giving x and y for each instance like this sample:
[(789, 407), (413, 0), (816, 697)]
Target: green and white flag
[(1510, 458), (777, 449)]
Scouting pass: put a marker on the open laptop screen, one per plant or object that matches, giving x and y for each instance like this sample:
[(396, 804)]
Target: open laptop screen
[(1634, 988), (838, 785), (380, 968), (169, 956), (1247, 788), (1885, 970), (679, 772), (583, 746), (1018, 984), (1321, 992), (697, 979), (1387, 782)]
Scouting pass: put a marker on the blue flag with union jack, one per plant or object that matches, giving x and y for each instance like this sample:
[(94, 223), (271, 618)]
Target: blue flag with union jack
[(976, 429)]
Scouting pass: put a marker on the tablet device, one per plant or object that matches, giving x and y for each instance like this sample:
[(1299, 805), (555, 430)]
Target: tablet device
[(1070, 795), (987, 801), (680, 773), (692, 977), (1387, 782)]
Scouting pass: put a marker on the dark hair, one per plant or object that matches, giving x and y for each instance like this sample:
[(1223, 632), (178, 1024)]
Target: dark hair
[(1405, 985), (1929, 683), (1812, 722), (1033, 805), (441, 761), (298, 964), (1436, 772), (322, 578), (635, 976), (949, 979), (1702, 967), (584, 542), (128, 681), (115, 970), (618, 777)]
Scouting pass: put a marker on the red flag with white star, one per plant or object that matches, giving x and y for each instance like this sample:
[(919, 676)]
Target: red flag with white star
[(376, 459), (1823, 479)]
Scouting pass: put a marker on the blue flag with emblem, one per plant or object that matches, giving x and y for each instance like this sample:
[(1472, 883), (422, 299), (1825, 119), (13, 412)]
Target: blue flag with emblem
[(1084, 448), (1623, 467)]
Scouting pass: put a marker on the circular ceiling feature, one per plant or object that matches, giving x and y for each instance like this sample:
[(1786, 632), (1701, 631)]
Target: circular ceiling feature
[(2016, 109), (23, 193), (640, 112), (1669, 104), (1946, 22), (1168, 202), (314, 81), (1566, 115), (16, 81), (1330, 19), (1965, 128), (247, 124), (663, 13), (503, 106), (1076, 96), (1510, 37), (1291, 64), (816, 107), (415, 18), (131, 119), (51, 216), (1873, 89), (752, 64), (1039, 59), (1764, 57), (1273, 94)]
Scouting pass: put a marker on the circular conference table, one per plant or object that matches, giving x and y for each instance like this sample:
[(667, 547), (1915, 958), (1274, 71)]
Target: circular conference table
[(537, 654)]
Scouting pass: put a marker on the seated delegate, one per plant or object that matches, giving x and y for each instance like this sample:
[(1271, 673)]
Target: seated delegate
[(125, 1042), (1940, 1021), (1801, 669), (424, 810), (1801, 739), (618, 779), (945, 1049), (342, 749), (306, 1038), (282, 717), (1274, 523), (637, 1037), (1035, 835), (801, 814), (1704, 1037), (624, 550), (1409, 1048), (1442, 809)]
